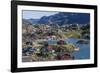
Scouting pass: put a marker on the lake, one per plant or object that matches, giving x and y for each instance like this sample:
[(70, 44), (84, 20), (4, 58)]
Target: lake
[(83, 53)]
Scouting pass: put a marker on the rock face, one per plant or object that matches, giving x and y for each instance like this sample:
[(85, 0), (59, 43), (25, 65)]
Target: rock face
[(63, 18)]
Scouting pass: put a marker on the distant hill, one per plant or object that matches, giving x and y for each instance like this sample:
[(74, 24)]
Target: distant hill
[(26, 22), (34, 21), (62, 18)]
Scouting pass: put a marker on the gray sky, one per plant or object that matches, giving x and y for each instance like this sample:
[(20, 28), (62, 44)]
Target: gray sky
[(36, 14)]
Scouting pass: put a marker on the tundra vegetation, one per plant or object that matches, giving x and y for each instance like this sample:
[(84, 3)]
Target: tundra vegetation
[(46, 43)]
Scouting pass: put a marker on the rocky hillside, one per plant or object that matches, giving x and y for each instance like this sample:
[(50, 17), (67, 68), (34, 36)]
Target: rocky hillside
[(63, 18)]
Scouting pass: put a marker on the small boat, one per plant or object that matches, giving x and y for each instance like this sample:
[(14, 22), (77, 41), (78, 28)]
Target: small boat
[(77, 49)]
